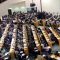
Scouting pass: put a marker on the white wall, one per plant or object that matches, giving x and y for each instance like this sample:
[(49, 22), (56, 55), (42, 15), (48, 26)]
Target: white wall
[(48, 5), (5, 5), (37, 2), (51, 5), (20, 6)]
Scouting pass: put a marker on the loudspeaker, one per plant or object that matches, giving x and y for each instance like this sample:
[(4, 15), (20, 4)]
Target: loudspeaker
[(9, 12), (32, 4)]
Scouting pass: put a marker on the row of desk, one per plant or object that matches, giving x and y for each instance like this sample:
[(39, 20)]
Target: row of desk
[(4, 35), (52, 30), (49, 40), (46, 36), (36, 39), (25, 40), (55, 34), (13, 43)]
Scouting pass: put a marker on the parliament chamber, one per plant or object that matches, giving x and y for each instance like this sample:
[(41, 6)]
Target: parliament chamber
[(31, 35), (25, 37)]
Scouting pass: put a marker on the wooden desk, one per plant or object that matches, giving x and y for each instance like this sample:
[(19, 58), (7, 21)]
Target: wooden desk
[(4, 35), (13, 43), (55, 57), (46, 36), (25, 40), (36, 23), (55, 34), (39, 57), (36, 38)]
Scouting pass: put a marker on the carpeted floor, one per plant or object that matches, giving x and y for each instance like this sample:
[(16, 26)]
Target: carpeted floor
[(55, 48)]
